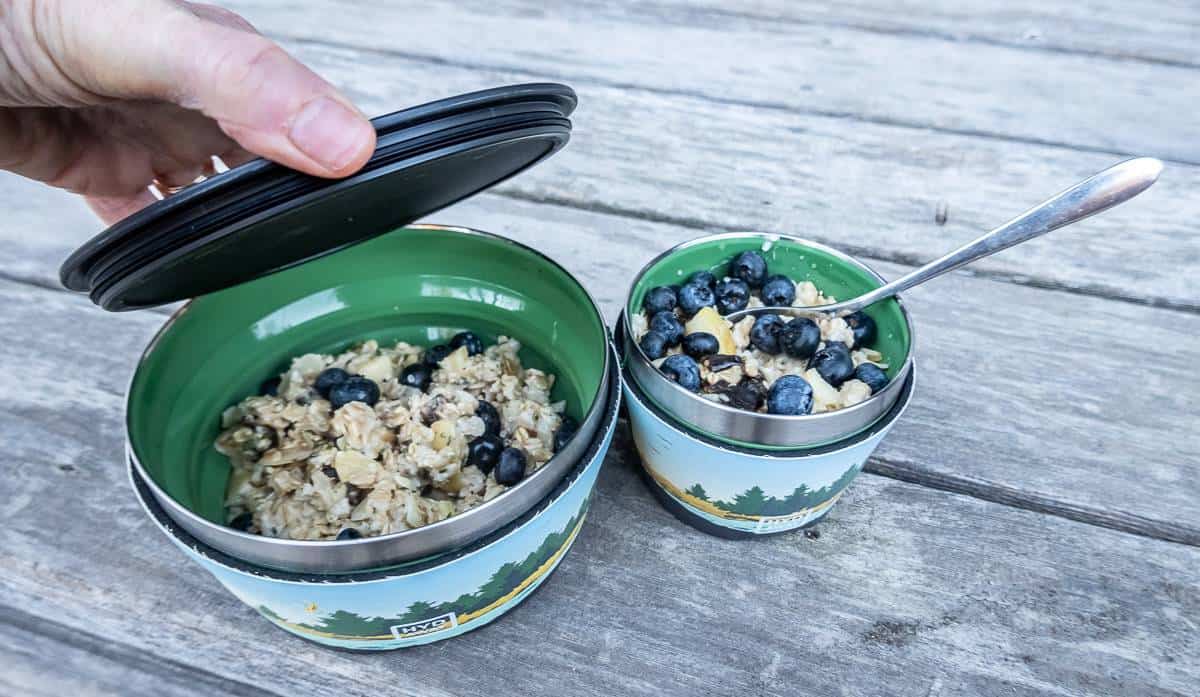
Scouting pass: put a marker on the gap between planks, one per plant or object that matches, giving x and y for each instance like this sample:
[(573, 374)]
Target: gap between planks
[(1121, 521), (912, 473), (730, 101), (870, 254)]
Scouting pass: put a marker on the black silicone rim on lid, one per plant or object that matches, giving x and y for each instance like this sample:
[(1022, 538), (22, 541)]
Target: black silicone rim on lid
[(512, 128), (175, 232), (313, 226)]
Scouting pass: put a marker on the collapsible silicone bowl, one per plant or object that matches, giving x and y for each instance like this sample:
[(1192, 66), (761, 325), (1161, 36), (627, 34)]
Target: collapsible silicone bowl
[(836, 274), (736, 491), (422, 601), (420, 284)]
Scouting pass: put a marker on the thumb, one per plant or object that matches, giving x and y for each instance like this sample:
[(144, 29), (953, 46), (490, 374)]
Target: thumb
[(260, 96)]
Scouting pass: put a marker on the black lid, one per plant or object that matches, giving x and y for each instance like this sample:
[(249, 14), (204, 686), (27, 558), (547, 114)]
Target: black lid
[(261, 217)]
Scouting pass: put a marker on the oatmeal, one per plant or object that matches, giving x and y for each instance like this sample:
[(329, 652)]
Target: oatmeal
[(765, 363), (379, 440)]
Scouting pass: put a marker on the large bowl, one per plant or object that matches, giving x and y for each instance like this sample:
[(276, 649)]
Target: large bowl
[(420, 284), (422, 601), (835, 274)]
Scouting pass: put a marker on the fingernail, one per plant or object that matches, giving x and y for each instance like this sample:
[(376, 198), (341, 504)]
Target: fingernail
[(329, 133)]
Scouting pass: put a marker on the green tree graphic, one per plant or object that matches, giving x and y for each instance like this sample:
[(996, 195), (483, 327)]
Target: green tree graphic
[(754, 501), (502, 582), (750, 502)]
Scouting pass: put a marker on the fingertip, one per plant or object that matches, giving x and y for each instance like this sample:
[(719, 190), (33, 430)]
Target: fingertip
[(337, 138)]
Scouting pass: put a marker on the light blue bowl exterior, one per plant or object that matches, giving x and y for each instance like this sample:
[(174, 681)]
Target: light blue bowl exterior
[(422, 602), (747, 494)]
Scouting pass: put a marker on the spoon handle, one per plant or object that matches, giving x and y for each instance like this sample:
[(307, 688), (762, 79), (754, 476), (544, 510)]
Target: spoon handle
[(1099, 192)]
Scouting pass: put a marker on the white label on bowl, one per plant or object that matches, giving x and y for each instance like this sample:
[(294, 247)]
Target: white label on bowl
[(423, 627)]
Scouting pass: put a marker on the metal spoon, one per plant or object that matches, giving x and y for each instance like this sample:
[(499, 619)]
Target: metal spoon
[(1097, 193)]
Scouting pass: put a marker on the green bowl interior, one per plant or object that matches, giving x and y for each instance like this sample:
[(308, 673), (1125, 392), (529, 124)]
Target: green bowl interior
[(832, 275), (416, 284)]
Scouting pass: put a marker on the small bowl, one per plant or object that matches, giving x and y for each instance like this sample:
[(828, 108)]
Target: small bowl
[(738, 492), (835, 274), (420, 284), (422, 601)]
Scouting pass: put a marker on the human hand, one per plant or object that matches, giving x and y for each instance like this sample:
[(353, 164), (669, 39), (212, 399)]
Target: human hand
[(103, 99)]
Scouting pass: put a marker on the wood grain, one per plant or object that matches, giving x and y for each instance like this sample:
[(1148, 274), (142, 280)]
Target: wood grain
[(911, 81), (868, 189), (1051, 383), (907, 590), (1024, 392), (907, 587), (1039, 391), (44, 658), (1161, 32)]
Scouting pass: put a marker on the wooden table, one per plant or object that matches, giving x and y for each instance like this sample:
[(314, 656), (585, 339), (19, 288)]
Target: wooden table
[(1030, 527)]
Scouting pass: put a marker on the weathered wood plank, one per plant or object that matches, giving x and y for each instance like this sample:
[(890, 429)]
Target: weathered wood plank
[(907, 590), (869, 189), (913, 81), (43, 658), (1038, 378), (1159, 32)]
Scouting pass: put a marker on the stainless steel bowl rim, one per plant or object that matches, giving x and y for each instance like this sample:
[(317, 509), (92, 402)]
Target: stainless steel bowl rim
[(637, 354), (299, 556), (891, 416)]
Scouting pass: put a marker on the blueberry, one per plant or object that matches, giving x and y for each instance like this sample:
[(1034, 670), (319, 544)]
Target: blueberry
[(491, 418), (683, 370), (873, 375), (700, 344), (660, 299), (863, 327), (764, 335), (349, 534), (328, 379), (667, 324), (566, 431), (778, 291), (750, 267), (748, 394), (469, 339), (654, 345), (484, 452), (732, 295), (242, 522), (417, 375), (833, 363), (790, 395), (270, 387), (434, 356), (354, 389), (800, 338), (694, 296), (511, 467), (704, 278)]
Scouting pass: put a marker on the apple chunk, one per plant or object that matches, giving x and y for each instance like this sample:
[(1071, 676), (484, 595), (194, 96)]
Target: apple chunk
[(708, 321)]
